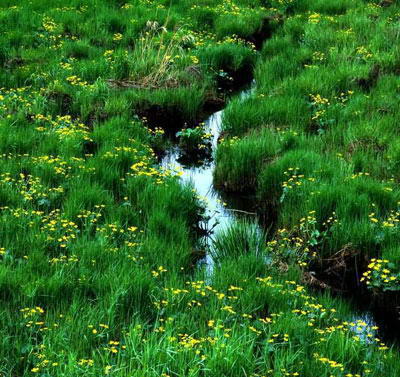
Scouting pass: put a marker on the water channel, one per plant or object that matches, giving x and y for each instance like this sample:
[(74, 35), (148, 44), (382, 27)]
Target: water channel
[(218, 215)]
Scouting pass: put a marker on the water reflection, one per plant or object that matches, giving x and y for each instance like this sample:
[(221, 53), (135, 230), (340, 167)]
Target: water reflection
[(201, 177), (222, 210)]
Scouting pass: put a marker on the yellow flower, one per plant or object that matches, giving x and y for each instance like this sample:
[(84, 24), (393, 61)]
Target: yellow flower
[(107, 369)]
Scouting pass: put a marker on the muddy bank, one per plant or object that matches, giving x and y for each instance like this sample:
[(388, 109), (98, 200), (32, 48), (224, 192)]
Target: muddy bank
[(341, 275), (171, 117)]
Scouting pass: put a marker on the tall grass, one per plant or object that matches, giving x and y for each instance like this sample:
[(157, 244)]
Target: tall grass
[(242, 238), (97, 242), (326, 90)]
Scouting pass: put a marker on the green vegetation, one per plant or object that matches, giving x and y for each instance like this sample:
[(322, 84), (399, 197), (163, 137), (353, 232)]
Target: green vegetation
[(98, 242), (319, 134)]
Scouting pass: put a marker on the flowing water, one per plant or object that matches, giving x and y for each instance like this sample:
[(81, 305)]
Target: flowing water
[(201, 177), (218, 215)]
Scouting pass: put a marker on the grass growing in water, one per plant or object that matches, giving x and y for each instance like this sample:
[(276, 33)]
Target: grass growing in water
[(96, 274)]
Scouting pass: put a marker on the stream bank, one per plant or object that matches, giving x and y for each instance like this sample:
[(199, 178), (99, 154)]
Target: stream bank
[(223, 208)]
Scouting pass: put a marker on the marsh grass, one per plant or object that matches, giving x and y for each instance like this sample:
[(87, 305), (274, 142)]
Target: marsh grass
[(96, 240), (327, 100), (243, 159), (152, 59), (242, 238)]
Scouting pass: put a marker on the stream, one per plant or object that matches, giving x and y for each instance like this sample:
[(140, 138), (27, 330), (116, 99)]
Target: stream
[(218, 216), (201, 177)]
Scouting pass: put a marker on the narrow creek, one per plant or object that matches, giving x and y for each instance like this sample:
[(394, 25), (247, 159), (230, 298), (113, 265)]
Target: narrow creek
[(201, 177), (219, 216)]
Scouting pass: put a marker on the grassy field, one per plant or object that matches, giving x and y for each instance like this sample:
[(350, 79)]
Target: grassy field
[(98, 244), (319, 136)]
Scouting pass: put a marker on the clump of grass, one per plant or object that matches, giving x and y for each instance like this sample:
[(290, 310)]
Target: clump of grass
[(152, 57), (241, 238), (240, 160)]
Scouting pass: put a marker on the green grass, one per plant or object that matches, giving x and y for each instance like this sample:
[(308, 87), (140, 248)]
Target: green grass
[(98, 243), (326, 91)]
